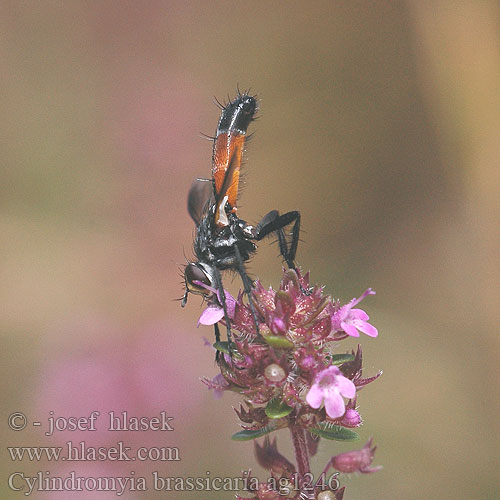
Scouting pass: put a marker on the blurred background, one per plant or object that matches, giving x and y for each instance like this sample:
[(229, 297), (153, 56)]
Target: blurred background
[(379, 121)]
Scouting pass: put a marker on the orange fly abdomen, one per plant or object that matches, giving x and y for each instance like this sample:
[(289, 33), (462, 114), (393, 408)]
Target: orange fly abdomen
[(228, 151)]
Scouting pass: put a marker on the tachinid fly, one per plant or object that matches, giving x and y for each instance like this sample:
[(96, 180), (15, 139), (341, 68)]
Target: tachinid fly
[(223, 240)]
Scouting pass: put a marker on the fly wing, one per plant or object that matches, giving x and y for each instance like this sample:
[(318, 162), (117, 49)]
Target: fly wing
[(228, 150), (200, 197), (227, 154), (228, 192), (229, 186)]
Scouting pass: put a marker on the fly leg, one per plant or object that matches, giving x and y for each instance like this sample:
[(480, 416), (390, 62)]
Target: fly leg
[(247, 286), (274, 222), (217, 333), (222, 298), (217, 340)]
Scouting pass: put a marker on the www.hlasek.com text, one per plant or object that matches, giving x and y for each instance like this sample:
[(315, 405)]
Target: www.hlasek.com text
[(81, 452)]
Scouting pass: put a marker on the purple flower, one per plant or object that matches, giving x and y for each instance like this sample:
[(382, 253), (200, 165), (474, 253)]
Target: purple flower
[(218, 384), (351, 320), (215, 312), (282, 370), (330, 385)]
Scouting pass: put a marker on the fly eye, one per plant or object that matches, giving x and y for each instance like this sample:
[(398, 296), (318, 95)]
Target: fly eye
[(249, 105), (196, 273)]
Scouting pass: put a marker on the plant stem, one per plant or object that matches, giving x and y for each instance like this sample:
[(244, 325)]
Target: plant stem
[(301, 451)]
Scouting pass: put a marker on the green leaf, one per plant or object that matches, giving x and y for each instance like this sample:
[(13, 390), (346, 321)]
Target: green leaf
[(278, 342), (335, 432), (277, 408), (338, 359), (249, 434), (222, 346)]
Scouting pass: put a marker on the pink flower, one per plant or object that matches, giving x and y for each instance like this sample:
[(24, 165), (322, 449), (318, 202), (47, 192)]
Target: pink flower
[(215, 312), (351, 320), (330, 385)]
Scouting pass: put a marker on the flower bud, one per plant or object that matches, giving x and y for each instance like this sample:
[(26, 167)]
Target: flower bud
[(271, 459), (351, 418), (306, 359), (274, 373), (277, 326), (356, 460), (326, 495)]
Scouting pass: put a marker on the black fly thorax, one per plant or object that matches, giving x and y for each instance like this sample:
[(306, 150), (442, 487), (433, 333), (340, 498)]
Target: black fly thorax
[(216, 245)]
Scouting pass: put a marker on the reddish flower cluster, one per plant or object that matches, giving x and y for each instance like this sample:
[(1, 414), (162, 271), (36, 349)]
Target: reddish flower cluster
[(291, 376)]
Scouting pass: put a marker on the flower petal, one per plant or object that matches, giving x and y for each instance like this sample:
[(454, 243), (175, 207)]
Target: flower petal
[(346, 387), (367, 292), (230, 305), (211, 315), (230, 302), (366, 328), (314, 397), (359, 314), (334, 405), (349, 329)]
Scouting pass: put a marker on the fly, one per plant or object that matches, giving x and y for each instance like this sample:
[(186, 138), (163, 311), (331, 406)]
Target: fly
[(223, 241)]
